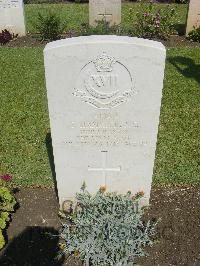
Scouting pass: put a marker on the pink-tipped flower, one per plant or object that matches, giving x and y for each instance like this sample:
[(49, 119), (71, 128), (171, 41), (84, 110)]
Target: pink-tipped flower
[(158, 23), (145, 15), (6, 177)]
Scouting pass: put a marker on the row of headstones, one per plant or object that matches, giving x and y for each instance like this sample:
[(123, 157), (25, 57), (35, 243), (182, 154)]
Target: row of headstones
[(12, 14)]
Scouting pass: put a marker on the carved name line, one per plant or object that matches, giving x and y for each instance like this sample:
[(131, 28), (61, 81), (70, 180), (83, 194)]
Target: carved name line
[(108, 128), (9, 6), (107, 122), (102, 137), (105, 133), (108, 125), (104, 130), (107, 143), (101, 123), (12, 3)]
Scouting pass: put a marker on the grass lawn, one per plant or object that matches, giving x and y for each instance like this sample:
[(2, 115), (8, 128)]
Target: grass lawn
[(76, 14), (24, 116), (25, 126)]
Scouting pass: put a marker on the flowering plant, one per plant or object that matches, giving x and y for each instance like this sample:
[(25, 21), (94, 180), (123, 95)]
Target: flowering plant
[(194, 35), (106, 229), (6, 177), (155, 23), (7, 203)]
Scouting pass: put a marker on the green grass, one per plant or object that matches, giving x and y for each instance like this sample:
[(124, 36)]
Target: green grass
[(24, 118), (76, 14), (178, 151)]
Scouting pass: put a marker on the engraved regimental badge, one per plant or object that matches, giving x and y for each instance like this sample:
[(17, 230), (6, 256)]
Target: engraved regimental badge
[(104, 83)]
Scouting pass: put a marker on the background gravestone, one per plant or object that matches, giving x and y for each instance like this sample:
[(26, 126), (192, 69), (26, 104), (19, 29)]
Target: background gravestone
[(12, 16), (104, 97), (107, 10), (193, 15)]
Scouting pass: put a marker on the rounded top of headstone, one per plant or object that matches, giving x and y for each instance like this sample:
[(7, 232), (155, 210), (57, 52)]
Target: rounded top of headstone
[(104, 39)]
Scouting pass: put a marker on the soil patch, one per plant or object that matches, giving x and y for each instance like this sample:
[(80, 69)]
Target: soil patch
[(179, 229), (26, 41), (179, 41), (178, 238), (34, 41)]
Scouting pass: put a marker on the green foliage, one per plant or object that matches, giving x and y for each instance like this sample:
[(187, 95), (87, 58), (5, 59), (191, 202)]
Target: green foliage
[(24, 106), (102, 28), (2, 240), (181, 1), (49, 25), (107, 229), (194, 35), (77, 14), (86, 1), (44, 1), (152, 22), (7, 203)]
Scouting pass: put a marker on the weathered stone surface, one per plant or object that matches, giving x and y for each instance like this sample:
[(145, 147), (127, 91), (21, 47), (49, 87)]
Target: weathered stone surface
[(193, 15), (12, 16), (104, 97), (107, 10)]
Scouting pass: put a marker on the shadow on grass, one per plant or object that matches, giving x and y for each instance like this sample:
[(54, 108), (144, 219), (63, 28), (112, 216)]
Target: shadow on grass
[(49, 147), (34, 246), (186, 66)]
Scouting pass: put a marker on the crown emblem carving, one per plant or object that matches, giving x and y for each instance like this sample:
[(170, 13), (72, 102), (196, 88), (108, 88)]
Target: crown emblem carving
[(104, 63)]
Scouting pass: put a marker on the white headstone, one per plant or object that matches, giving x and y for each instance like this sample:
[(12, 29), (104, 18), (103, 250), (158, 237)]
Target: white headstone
[(12, 16), (193, 20), (104, 97), (106, 10)]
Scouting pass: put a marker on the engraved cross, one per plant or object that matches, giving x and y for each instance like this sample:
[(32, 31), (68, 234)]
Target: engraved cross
[(105, 16), (104, 169)]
